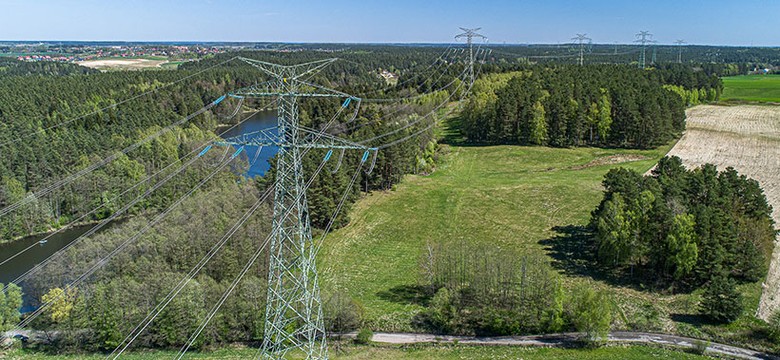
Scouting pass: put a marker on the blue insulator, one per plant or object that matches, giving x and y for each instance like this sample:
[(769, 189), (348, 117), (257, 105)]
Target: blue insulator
[(236, 153), (346, 102), (327, 156), (219, 99), (365, 156), (205, 151)]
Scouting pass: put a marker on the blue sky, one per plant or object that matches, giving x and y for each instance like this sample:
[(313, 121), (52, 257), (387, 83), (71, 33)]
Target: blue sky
[(717, 22)]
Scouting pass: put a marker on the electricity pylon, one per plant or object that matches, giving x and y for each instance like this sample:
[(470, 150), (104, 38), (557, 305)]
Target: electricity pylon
[(470, 34), (680, 44), (643, 37), (293, 316), (581, 38), (652, 44)]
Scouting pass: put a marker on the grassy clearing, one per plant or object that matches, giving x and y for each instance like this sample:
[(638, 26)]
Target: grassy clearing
[(510, 197), (504, 196), (172, 65), (436, 352), (755, 88)]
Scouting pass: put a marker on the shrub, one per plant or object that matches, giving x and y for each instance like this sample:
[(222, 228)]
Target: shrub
[(342, 313), (591, 313), (700, 347), (774, 326), (364, 336)]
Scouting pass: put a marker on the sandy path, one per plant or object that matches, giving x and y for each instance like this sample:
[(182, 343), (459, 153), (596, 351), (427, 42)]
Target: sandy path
[(746, 138)]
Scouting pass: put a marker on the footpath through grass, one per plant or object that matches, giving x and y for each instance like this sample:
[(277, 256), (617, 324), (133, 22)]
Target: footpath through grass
[(752, 88), (434, 352)]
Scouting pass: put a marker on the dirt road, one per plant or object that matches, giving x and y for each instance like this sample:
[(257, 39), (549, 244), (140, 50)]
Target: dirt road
[(617, 337)]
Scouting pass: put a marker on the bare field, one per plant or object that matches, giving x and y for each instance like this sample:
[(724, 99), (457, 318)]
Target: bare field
[(122, 64), (746, 138)]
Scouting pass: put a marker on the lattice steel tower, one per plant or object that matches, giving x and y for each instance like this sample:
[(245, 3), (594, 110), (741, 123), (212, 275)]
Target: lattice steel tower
[(294, 318), (582, 39), (644, 38), (469, 35), (680, 44)]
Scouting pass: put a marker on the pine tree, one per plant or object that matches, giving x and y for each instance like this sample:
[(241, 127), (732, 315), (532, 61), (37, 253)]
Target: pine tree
[(538, 125), (721, 301)]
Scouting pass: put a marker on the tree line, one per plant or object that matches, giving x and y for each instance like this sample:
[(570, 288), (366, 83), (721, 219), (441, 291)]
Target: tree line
[(599, 105)]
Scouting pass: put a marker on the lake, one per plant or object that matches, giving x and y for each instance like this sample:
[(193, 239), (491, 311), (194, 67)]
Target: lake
[(261, 121)]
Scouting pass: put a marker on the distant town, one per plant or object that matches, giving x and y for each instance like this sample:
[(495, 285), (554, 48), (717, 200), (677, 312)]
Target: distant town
[(75, 52)]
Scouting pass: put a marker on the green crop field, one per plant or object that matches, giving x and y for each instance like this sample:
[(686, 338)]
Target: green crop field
[(758, 88), (435, 352)]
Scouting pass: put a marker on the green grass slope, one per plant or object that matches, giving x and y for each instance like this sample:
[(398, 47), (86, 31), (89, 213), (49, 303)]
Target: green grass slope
[(508, 197), (505, 196)]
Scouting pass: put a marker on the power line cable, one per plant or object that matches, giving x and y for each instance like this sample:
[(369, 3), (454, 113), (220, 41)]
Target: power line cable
[(66, 122), (187, 278), (248, 266), (114, 199), (104, 260), (98, 164)]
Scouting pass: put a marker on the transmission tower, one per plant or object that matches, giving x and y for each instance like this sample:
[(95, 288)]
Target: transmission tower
[(293, 317), (581, 39), (652, 45), (680, 44), (644, 38), (469, 35)]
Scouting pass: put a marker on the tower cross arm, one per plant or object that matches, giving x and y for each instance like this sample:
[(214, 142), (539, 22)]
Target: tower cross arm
[(302, 89), (311, 139), (290, 72)]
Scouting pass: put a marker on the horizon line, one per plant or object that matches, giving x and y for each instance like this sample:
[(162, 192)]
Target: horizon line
[(195, 42)]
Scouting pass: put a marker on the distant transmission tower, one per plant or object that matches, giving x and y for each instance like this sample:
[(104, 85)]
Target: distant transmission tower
[(469, 35), (581, 39), (293, 318), (652, 45), (644, 38), (680, 44)]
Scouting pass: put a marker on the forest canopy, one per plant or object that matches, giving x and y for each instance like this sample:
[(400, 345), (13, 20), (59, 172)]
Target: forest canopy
[(597, 105)]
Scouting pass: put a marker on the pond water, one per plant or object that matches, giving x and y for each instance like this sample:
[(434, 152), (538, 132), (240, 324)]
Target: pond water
[(263, 120)]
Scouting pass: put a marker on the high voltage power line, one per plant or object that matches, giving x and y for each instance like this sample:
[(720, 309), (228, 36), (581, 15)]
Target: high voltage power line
[(680, 43), (469, 35), (293, 317), (582, 39), (644, 38), (294, 311)]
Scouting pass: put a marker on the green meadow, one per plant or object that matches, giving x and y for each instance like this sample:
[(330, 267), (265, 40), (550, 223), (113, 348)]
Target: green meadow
[(752, 88)]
